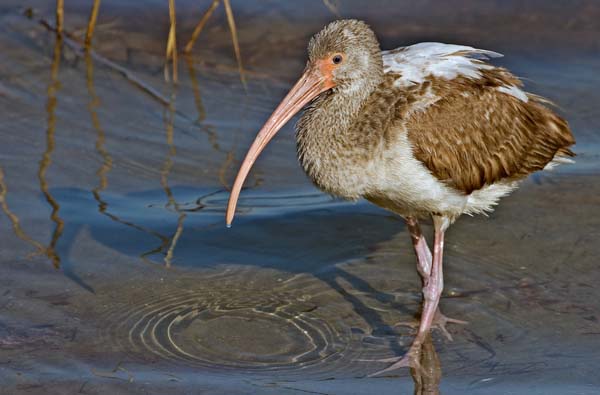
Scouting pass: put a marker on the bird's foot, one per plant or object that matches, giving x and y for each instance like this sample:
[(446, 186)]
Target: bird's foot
[(409, 360), (439, 321)]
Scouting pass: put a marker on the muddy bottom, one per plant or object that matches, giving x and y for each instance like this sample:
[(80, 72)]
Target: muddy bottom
[(118, 275)]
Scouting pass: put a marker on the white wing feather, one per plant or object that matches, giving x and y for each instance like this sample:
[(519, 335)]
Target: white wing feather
[(418, 61)]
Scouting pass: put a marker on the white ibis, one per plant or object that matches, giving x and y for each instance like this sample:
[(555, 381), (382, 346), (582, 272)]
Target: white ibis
[(425, 130)]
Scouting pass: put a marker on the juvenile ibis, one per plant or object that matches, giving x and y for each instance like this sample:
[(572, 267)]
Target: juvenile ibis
[(427, 130)]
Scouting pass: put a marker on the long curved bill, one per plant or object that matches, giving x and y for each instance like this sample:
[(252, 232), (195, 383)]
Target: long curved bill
[(309, 86)]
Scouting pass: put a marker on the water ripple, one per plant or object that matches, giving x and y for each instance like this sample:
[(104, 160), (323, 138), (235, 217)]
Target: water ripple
[(234, 321)]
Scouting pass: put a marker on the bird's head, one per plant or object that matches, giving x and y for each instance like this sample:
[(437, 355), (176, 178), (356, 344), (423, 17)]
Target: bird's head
[(345, 57)]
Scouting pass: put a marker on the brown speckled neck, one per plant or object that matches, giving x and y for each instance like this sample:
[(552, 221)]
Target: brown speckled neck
[(341, 132)]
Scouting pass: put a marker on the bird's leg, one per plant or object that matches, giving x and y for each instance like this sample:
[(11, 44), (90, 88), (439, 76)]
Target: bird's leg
[(421, 250), (424, 268), (431, 294)]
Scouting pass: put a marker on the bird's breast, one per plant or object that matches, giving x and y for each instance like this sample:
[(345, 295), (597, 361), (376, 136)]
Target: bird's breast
[(334, 149), (334, 168)]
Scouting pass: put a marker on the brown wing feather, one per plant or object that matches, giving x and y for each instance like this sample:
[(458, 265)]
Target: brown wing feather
[(475, 135)]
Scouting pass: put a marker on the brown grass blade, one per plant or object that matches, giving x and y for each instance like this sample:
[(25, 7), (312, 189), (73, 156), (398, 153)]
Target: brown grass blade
[(60, 13), (171, 44), (234, 39), (200, 26), (76, 45), (92, 23)]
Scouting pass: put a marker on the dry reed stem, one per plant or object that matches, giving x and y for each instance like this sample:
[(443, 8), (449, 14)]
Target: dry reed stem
[(234, 39), (171, 44), (73, 42), (60, 13), (200, 26), (92, 23)]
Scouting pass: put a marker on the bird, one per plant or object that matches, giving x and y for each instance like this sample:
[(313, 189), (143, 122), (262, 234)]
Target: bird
[(429, 130)]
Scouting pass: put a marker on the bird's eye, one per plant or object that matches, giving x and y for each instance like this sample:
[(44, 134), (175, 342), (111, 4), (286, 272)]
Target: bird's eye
[(337, 59)]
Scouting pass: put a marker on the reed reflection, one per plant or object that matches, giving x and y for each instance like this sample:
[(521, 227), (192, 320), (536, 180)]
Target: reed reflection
[(195, 88), (107, 160), (168, 243), (213, 137), (101, 137), (14, 219), (169, 118), (46, 160)]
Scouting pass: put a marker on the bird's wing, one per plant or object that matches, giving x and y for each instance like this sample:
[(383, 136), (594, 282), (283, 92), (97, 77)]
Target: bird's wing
[(417, 62), (469, 122)]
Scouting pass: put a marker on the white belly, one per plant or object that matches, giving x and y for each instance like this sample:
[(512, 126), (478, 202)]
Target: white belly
[(402, 184)]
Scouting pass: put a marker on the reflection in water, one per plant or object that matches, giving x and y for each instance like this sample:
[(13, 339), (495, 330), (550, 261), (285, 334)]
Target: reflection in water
[(223, 170), (16, 223), (107, 161), (195, 88), (427, 371), (209, 129), (101, 138), (167, 243), (169, 116), (46, 160)]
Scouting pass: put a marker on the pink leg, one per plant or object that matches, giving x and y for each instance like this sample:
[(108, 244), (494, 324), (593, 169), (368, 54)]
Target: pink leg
[(431, 293), (421, 249), (424, 268)]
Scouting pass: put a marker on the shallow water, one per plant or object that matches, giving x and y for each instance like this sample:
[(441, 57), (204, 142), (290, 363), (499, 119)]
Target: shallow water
[(118, 275)]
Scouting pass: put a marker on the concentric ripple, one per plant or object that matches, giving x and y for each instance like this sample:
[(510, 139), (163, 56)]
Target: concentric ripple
[(226, 322), (220, 330), (248, 318)]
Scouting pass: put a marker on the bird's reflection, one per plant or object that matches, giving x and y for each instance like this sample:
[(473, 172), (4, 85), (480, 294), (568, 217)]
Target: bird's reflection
[(426, 370), (46, 160)]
